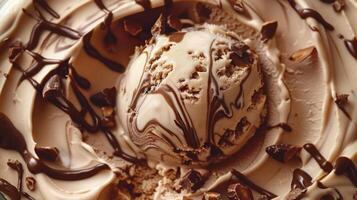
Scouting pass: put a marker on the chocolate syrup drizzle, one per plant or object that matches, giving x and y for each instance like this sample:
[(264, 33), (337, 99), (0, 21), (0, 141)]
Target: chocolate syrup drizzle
[(308, 12), (44, 5), (12, 139), (109, 37), (245, 181), (345, 166), (94, 53), (301, 179), (44, 25), (314, 152)]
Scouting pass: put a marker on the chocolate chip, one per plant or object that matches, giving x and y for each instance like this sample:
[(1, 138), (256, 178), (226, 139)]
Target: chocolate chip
[(30, 183), (211, 196), (174, 22), (107, 97), (268, 30), (303, 54), (47, 153), (132, 27), (283, 152), (238, 191), (193, 180), (52, 88)]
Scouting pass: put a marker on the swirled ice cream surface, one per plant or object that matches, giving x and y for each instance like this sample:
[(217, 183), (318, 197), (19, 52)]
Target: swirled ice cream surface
[(174, 99)]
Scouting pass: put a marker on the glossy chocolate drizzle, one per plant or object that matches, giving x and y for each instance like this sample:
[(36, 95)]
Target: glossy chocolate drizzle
[(307, 12), (109, 37), (12, 139), (245, 181), (345, 166), (301, 179), (314, 152), (44, 5), (94, 53), (44, 25)]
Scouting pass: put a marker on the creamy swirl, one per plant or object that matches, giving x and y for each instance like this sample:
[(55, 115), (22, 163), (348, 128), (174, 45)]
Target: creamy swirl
[(65, 139)]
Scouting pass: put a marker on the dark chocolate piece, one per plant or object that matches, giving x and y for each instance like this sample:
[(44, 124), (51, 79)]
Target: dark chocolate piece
[(283, 152), (193, 180), (268, 30), (47, 153), (301, 180), (107, 97), (238, 191)]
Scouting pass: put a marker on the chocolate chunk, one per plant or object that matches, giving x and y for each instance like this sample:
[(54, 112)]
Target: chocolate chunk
[(268, 30), (132, 27), (303, 54), (15, 50), (238, 191), (211, 196), (30, 183), (105, 98), (339, 5), (52, 88), (47, 153), (283, 152), (193, 180), (296, 194), (241, 55), (174, 22), (108, 122)]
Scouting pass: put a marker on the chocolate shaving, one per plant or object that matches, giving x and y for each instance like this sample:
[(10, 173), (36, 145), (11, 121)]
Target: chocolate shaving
[(105, 98), (283, 152), (193, 180), (132, 27), (30, 183), (211, 196), (238, 191), (303, 54), (268, 30), (47, 153)]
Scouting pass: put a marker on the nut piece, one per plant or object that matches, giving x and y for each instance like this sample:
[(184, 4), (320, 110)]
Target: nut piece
[(238, 191), (30, 183), (132, 27), (211, 196), (303, 54), (283, 152)]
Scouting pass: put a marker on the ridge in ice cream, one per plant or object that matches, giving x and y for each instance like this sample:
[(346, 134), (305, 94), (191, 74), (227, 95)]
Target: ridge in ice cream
[(243, 99)]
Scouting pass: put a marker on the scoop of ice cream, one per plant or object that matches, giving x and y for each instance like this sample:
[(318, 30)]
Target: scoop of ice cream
[(192, 97)]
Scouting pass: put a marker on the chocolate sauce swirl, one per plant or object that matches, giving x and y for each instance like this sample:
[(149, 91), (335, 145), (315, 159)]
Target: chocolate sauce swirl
[(308, 12), (345, 166), (43, 4), (12, 139)]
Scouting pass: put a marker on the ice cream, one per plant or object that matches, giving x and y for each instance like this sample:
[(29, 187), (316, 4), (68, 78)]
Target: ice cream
[(192, 102), (243, 99)]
